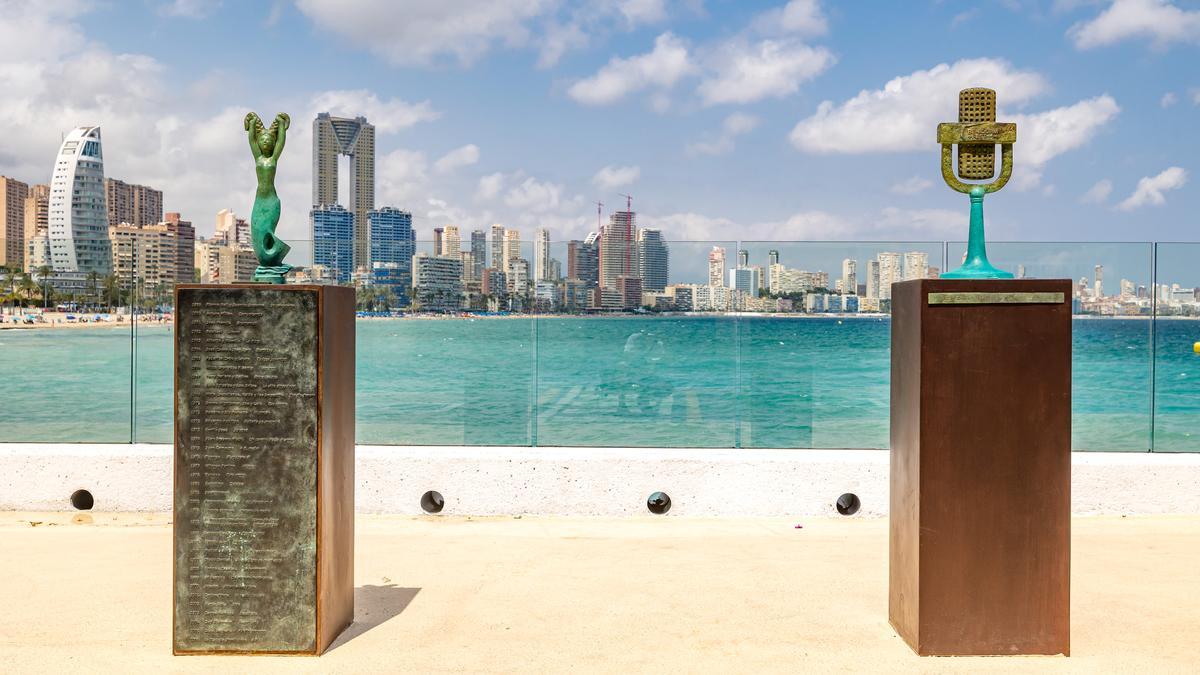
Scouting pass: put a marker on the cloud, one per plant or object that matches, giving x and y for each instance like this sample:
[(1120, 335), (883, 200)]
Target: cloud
[(1098, 193), (643, 11), (736, 124), (1168, 99), (190, 9), (890, 223), (903, 115), (661, 67), (457, 158), (911, 186), (612, 177), (1151, 188), (798, 17), (490, 186), (1158, 21), (1046, 135), (422, 32), (745, 73), (534, 195), (388, 116)]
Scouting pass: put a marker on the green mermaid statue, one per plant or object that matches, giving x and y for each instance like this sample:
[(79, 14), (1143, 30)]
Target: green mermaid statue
[(266, 145)]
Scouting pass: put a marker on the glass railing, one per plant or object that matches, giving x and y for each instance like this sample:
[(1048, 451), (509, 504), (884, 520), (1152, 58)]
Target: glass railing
[(721, 344)]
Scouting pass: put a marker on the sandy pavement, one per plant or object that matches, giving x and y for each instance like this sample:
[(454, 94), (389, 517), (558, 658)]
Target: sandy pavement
[(557, 595)]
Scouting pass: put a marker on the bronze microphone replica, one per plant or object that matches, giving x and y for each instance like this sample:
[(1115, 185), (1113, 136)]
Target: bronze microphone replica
[(979, 541)]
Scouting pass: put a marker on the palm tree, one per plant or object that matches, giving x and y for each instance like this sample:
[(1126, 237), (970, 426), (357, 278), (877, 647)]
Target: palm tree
[(44, 272), (112, 291), (27, 287), (93, 278)]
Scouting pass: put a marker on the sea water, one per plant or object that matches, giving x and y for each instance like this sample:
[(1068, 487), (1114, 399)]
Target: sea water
[(721, 382)]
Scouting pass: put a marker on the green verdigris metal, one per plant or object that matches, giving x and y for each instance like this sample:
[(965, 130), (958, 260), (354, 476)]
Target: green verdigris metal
[(976, 133), (266, 144)]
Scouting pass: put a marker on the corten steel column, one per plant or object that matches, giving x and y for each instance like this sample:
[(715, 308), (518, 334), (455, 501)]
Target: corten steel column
[(981, 466)]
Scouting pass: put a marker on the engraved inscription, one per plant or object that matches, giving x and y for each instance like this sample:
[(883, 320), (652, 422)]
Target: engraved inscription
[(995, 298), (245, 470)]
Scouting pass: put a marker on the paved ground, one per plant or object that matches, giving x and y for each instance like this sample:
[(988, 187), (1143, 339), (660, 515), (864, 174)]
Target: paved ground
[(559, 595)]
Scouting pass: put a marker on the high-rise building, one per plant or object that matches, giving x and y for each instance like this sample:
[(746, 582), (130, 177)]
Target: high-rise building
[(617, 249), (183, 236), (143, 256), (743, 258), (497, 260), (132, 204), (223, 263), (583, 260), (438, 241), (630, 290), (231, 229), (512, 248), (873, 279), (355, 138), (541, 254), (13, 195), (393, 244), (916, 265), (850, 277), (716, 266), (1128, 290), (437, 282), (653, 260), (37, 227), (517, 276), (744, 279), (451, 241), (1099, 288), (78, 216), (772, 258), (479, 252), (333, 240), (891, 270)]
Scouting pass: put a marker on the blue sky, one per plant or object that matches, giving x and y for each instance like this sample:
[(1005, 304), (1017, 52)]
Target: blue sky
[(725, 120)]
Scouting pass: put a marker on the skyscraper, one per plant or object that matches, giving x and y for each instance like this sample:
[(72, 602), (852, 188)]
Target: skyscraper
[(1099, 287), (511, 251), (451, 241), (37, 226), (743, 258), (183, 246), (916, 265), (653, 260), (133, 204), (497, 260), (772, 258), (716, 266), (333, 240), (891, 270), (478, 252), (78, 216), (617, 249), (438, 241), (849, 277), (583, 260), (13, 196), (541, 254), (355, 138), (393, 244), (873, 279)]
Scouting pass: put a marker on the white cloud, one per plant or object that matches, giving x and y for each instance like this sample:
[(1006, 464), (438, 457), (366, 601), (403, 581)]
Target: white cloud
[(558, 39), (420, 32), (643, 11), (1168, 99), (661, 67), (911, 186), (745, 73), (457, 158), (191, 9), (490, 186), (1098, 193), (388, 116), (903, 115), (612, 177), (1151, 188), (1046, 135), (1159, 21), (534, 195), (798, 17), (736, 124)]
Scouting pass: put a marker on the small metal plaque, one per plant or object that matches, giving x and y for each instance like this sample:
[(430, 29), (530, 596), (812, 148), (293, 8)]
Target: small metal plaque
[(995, 298), (245, 471)]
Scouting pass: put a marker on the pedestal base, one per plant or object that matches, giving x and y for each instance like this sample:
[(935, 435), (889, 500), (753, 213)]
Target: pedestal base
[(264, 468), (981, 466)]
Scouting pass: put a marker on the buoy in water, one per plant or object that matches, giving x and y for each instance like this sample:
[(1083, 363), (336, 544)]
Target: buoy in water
[(1196, 348)]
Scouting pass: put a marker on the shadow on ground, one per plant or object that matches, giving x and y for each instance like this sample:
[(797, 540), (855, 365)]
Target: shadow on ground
[(373, 605)]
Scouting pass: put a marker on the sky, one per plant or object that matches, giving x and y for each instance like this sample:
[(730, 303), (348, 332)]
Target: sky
[(725, 120)]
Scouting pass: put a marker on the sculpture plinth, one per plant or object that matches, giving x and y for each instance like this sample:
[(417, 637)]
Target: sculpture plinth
[(264, 468), (981, 466)]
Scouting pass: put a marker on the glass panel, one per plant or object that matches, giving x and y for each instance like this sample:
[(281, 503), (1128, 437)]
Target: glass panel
[(622, 363), (65, 353), (1177, 349), (1111, 352), (815, 359)]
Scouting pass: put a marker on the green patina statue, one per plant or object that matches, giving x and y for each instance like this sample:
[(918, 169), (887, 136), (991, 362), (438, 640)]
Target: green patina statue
[(976, 133), (266, 144)]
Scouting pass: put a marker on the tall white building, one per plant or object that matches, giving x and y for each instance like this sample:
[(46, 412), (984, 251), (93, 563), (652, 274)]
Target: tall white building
[(618, 249), (497, 250), (78, 212), (891, 270), (451, 241), (511, 250), (873, 279), (850, 277), (1099, 292), (541, 255), (716, 266), (916, 265)]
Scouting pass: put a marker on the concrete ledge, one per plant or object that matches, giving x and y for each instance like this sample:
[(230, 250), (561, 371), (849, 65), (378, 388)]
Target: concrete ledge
[(585, 481)]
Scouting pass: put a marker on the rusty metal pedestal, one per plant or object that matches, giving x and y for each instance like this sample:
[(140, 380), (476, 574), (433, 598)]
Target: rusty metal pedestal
[(981, 466)]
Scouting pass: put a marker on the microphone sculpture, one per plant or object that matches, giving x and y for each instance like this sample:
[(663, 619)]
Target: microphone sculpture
[(977, 133)]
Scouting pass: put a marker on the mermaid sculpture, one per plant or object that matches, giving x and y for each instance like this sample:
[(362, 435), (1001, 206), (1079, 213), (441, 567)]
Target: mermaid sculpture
[(266, 145)]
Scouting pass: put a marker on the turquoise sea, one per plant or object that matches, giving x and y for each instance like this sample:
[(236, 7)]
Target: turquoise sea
[(654, 381)]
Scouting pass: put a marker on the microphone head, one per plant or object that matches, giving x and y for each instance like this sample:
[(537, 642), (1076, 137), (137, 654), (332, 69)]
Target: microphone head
[(976, 162)]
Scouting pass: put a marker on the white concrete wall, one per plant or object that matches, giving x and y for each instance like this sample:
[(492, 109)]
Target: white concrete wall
[(585, 481)]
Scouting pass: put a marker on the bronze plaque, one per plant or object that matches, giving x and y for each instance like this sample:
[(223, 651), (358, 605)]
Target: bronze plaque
[(246, 470)]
